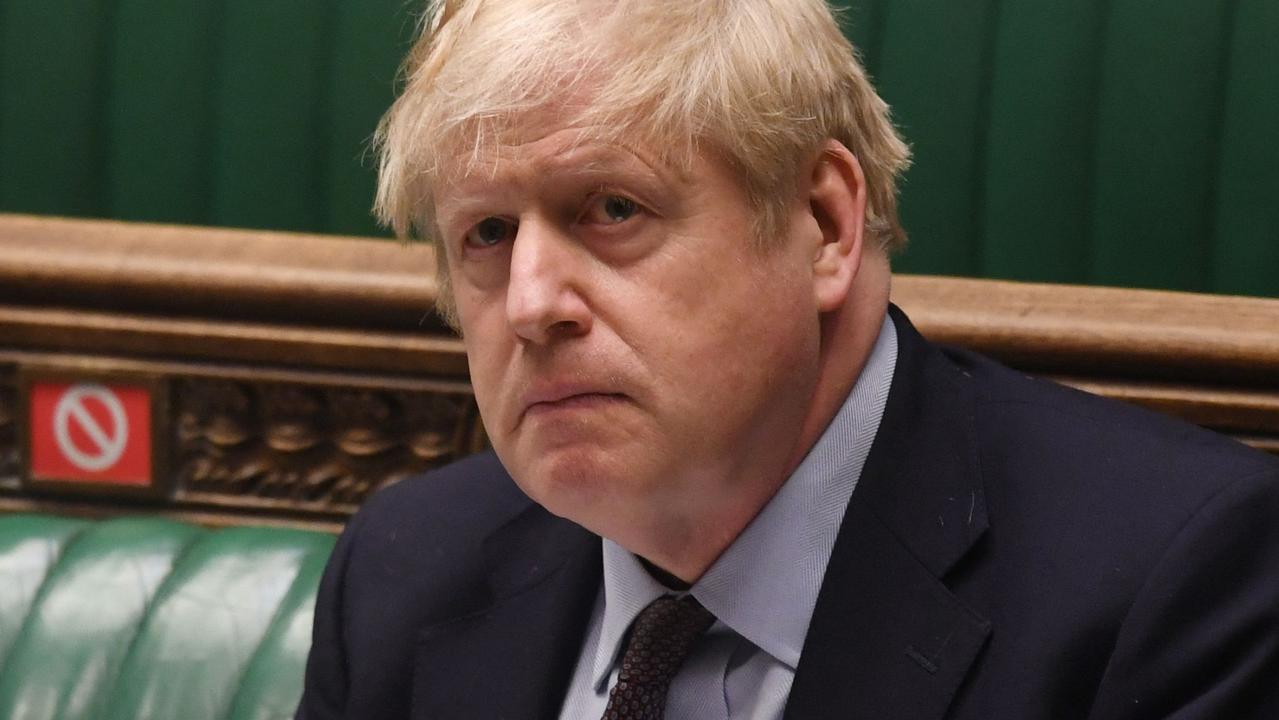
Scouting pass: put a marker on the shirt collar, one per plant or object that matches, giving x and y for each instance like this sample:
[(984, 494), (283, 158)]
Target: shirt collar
[(779, 559), (628, 589)]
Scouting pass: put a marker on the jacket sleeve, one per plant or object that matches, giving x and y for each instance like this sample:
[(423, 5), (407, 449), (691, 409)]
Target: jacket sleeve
[(1201, 639)]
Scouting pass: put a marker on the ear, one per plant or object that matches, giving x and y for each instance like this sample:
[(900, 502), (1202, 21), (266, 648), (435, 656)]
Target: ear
[(837, 197)]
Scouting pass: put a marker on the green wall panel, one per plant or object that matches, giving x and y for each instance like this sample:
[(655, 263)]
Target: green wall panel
[(1038, 156), (270, 99), (162, 112), (1126, 142), (362, 85), (863, 23), (52, 97), (1158, 119), (933, 70), (1246, 240)]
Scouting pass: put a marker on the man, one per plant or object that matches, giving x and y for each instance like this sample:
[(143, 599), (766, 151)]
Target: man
[(730, 480)]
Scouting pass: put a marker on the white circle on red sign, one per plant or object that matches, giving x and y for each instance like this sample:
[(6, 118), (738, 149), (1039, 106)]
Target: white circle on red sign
[(108, 443)]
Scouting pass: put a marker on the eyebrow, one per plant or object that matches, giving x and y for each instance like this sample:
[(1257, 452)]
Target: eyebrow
[(479, 185)]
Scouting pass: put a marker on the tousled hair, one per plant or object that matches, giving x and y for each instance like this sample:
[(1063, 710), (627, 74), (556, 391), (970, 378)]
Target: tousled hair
[(762, 84)]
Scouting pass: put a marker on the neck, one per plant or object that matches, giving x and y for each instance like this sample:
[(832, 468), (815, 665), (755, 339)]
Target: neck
[(666, 579), (848, 335)]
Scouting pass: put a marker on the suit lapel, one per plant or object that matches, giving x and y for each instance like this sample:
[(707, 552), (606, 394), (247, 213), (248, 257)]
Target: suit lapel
[(511, 657), (888, 640)]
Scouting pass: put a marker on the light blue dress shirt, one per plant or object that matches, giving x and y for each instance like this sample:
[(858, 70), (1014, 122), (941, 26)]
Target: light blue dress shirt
[(762, 589)]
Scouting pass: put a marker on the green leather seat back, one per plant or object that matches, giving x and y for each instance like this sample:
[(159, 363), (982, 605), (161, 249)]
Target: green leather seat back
[(143, 619), (272, 684), (29, 548), (66, 660), (207, 623), (1121, 142)]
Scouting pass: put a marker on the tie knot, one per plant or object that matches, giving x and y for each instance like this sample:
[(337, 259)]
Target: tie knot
[(661, 638), (669, 623)]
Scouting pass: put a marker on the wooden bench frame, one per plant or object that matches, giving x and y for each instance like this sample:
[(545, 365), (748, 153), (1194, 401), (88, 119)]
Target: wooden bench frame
[(302, 372)]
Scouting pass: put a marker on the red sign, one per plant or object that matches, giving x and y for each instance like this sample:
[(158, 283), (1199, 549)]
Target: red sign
[(91, 432)]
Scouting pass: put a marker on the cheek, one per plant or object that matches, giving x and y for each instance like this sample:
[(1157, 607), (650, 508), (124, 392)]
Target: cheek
[(744, 349), (484, 386), (470, 301), (489, 346)]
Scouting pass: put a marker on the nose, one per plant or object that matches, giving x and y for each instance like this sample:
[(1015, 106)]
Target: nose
[(544, 298)]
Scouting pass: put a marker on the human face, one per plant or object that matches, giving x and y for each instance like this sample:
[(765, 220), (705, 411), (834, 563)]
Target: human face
[(641, 368)]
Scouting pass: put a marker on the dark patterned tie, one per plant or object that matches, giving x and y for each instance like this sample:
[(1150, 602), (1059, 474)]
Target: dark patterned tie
[(661, 637)]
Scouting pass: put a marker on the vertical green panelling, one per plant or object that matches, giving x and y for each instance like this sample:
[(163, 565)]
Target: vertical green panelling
[(272, 684), (863, 23), (30, 546), (52, 62), (1157, 140), (87, 614), (933, 71), (207, 622), (1039, 181), (269, 155), (369, 40), (1247, 215), (160, 155)]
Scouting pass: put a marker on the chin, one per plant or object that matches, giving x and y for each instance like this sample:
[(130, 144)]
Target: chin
[(575, 484), (555, 474)]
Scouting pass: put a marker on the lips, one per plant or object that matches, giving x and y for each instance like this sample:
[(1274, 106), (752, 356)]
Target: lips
[(569, 397)]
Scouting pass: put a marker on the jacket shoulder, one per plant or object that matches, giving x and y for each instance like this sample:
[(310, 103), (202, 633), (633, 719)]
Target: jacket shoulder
[(429, 530), (467, 494), (1134, 544), (1110, 447)]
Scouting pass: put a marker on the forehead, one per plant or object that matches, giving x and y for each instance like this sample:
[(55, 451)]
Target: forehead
[(528, 154)]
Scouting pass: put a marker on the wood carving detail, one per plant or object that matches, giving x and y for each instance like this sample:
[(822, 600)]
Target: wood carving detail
[(308, 447), (8, 428)]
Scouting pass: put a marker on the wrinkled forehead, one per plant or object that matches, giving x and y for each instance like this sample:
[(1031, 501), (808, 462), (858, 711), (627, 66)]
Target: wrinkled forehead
[(567, 136), (555, 139)]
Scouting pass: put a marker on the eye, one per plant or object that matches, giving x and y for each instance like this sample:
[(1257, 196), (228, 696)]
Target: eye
[(490, 231), (609, 210)]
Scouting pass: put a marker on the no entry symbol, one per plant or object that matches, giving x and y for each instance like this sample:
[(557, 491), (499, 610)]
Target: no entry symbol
[(103, 443), (91, 432)]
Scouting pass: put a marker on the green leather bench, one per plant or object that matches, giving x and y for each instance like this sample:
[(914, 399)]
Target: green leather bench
[(151, 619)]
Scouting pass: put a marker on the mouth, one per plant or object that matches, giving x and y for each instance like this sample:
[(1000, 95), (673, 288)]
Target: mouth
[(570, 403)]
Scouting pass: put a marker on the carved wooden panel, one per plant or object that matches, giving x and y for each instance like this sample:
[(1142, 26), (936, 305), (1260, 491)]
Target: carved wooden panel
[(248, 444), (307, 447)]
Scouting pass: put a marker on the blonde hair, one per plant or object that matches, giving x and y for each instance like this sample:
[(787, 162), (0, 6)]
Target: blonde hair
[(760, 83)]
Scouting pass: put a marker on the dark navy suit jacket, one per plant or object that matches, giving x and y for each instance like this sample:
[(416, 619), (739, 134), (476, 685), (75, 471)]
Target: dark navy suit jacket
[(1013, 550)]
